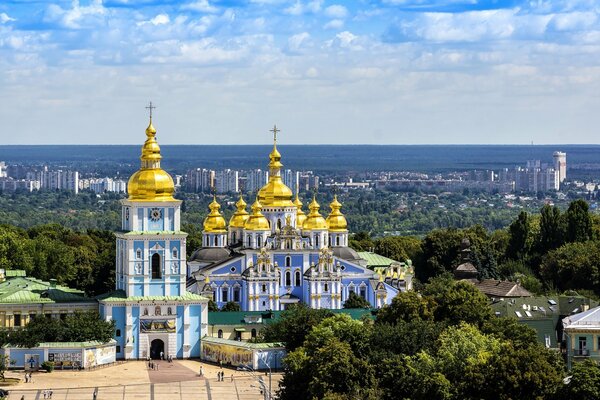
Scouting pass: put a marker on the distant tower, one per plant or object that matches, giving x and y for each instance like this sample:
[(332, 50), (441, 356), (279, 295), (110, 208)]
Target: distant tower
[(560, 165)]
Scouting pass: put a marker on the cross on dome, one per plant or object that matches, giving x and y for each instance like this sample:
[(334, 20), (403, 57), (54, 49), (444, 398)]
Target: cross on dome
[(275, 130), (150, 107)]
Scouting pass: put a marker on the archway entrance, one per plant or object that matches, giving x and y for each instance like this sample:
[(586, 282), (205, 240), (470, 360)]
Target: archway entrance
[(157, 346)]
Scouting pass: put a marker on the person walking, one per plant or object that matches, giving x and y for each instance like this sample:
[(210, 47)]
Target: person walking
[(95, 394), (201, 371)]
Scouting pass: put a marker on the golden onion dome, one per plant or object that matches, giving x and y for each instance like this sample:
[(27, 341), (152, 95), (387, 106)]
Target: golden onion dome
[(214, 221), (300, 215), (275, 193), (314, 220), (257, 221), (336, 221), (240, 216), (150, 182)]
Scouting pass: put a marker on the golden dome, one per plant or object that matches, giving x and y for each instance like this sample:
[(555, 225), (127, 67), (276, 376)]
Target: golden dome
[(150, 182), (314, 220), (336, 220), (275, 193), (214, 221), (300, 215), (240, 216), (257, 221)]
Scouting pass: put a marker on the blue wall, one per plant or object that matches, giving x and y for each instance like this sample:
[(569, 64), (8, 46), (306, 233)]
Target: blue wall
[(195, 314), (118, 314)]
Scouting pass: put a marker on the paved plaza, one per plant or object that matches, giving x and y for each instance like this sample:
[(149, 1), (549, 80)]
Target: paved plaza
[(134, 380)]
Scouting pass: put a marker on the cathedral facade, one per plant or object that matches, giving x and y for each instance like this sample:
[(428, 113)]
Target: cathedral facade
[(277, 255), (154, 313)]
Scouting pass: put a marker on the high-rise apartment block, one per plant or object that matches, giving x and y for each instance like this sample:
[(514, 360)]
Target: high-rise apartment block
[(560, 165)]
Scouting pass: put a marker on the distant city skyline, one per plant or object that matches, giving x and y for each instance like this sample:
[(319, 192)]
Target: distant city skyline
[(326, 72)]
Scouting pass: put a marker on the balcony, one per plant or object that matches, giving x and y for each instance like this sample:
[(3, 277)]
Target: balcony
[(581, 352)]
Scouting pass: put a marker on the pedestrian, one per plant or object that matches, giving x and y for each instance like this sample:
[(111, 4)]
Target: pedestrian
[(95, 394), (221, 363), (231, 377), (45, 393), (50, 394), (162, 355), (201, 371), (26, 378), (23, 397), (157, 366)]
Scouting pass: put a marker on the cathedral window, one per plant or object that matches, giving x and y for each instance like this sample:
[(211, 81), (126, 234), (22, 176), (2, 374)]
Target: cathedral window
[(220, 334), (326, 288), (329, 240), (236, 295), (279, 223), (264, 288), (298, 278), (216, 241), (174, 253), (157, 310), (316, 240), (156, 272), (138, 254), (363, 292), (118, 333), (169, 311), (288, 261), (258, 241), (145, 311), (249, 241), (337, 241), (224, 295), (288, 278), (233, 237)]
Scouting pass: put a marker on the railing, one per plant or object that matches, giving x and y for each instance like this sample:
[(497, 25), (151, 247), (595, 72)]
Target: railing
[(581, 352)]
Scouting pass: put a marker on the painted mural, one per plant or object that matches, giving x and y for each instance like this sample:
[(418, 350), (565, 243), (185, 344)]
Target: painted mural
[(157, 325), (229, 355)]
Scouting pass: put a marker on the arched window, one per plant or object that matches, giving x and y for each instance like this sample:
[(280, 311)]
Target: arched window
[(264, 288), (288, 261), (156, 272), (337, 241), (169, 311), (215, 241), (298, 278), (145, 311), (253, 332), (249, 241), (278, 223), (316, 240), (233, 237), (220, 333), (157, 310), (329, 240), (258, 241), (288, 278), (326, 288)]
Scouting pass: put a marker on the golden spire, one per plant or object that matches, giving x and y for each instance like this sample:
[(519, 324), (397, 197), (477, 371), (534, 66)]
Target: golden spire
[(257, 221), (300, 215), (214, 221), (275, 193), (150, 182), (336, 220), (240, 216), (314, 220)]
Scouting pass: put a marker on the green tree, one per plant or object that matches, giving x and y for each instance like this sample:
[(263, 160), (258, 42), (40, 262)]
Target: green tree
[(88, 326), (407, 306), (579, 222), (584, 383), (231, 306), (212, 306), (573, 266), (519, 236), (356, 301), (399, 248), (552, 228)]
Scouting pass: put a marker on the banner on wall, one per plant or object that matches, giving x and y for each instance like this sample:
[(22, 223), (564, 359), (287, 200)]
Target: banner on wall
[(157, 325), (229, 355), (100, 355)]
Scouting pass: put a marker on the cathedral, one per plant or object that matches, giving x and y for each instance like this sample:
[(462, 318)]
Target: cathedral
[(154, 313), (277, 255)]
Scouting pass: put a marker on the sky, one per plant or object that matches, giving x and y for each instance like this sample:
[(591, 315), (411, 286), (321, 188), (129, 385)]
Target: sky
[(326, 72)]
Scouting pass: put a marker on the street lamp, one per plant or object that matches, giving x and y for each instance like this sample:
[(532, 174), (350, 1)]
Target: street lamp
[(260, 380), (261, 355)]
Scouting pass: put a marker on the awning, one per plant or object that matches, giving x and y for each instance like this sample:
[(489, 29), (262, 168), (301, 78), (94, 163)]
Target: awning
[(240, 329)]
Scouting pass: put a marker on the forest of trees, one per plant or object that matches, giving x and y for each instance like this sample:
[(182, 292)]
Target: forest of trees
[(452, 347)]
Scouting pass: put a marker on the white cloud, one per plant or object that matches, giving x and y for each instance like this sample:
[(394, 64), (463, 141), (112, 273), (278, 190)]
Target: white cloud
[(334, 24), (295, 42), (201, 6), (4, 18), (300, 8), (336, 11), (160, 19), (77, 16)]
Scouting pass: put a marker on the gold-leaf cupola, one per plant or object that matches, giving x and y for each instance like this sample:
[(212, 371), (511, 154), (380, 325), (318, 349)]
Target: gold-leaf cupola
[(314, 220), (275, 193), (240, 216), (336, 221), (214, 221), (150, 182), (300, 215), (257, 221)]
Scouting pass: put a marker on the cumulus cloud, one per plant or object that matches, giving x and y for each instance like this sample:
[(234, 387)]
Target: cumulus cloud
[(334, 24), (77, 16), (4, 18), (300, 8), (336, 11), (200, 6)]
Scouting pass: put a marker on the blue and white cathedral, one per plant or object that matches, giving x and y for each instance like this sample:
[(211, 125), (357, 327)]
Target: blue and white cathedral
[(277, 255), (153, 311)]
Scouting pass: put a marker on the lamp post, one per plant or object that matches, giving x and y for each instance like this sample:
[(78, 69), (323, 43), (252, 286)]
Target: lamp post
[(260, 353), (259, 379)]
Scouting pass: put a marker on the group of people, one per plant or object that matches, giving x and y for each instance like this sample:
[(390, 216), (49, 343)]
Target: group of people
[(221, 376), (28, 377), (152, 365), (47, 394)]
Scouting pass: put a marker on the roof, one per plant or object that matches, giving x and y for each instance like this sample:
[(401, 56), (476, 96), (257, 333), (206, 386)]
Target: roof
[(497, 288), (375, 260), (467, 266), (244, 345), (211, 254), (268, 317), (540, 307), (26, 290), (346, 253), (11, 273), (586, 320), (119, 296)]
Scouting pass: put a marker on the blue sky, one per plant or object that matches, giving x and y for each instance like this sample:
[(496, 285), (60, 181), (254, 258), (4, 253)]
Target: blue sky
[(366, 71)]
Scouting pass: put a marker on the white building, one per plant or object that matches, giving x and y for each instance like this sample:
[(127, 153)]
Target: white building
[(560, 165)]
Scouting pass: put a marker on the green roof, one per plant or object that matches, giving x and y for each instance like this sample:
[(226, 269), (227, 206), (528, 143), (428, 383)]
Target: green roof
[(244, 345), (119, 296), (376, 260), (26, 290), (11, 273), (268, 317)]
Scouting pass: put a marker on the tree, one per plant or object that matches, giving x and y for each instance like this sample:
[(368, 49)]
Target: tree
[(399, 248), (552, 228), (231, 306), (573, 266), (356, 301), (5, 363), (212, 306), (407, 306), (519, 235), (88, 326), (579, 222), (584, 383)]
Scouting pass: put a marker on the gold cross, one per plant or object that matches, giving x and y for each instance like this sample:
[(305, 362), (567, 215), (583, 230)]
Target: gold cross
[(150, 107), (275, 130)]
